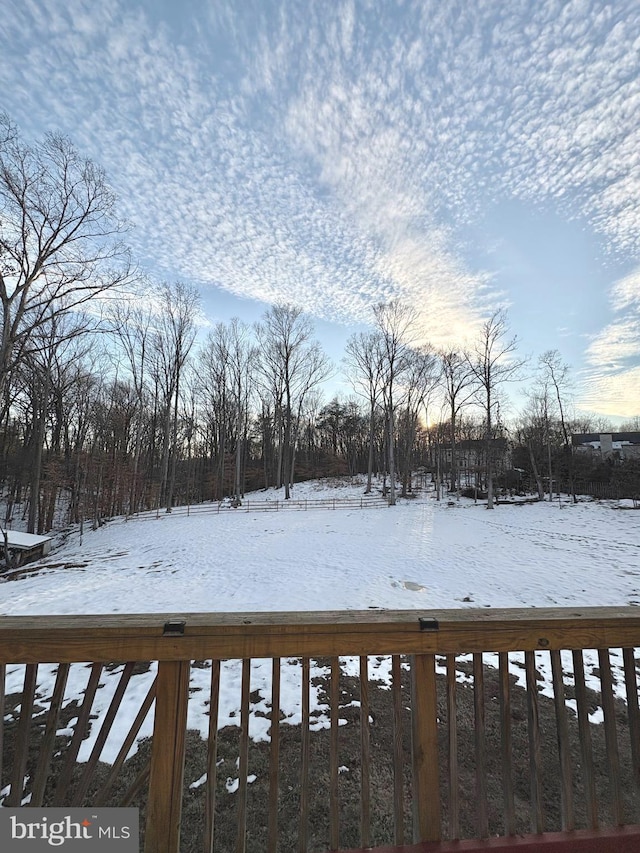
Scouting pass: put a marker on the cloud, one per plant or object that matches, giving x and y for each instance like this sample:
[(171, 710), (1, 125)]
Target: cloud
[(612, 376), (613, 395), (626, 292), (331, 155), (616, 344)]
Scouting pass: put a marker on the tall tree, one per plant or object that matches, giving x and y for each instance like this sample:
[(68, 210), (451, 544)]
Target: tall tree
[(492, 362), (396, 324), (172, 341), (533, 431), (214, 375), (458, 380), (364, 359), (46, 368), (132, 323), (292, 364), (556, 374), (418, 382), (243, 356), (59, 240)]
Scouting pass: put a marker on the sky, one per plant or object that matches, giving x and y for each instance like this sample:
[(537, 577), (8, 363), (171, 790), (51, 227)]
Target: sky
[(456, 156)]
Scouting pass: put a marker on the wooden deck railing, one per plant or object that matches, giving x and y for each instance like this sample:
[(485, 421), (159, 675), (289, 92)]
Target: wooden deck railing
[(441, 741)]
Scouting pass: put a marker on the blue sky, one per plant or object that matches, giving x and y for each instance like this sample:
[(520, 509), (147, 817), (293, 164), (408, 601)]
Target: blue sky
[(458, 156)]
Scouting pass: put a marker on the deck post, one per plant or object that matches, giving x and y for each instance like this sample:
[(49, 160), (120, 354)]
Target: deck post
[(424, 749), (166, 776)]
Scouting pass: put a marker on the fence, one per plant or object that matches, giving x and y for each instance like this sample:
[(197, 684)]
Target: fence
[(332, 729), (278, 505)]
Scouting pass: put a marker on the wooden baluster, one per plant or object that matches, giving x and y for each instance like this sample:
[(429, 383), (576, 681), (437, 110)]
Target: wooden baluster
[(107, 723), (365, 755), (79, 732), (506, 747), (22, 736), (243, 769), (631, 686), (564, 748), (212, 759), (452, 730), (274, 758), (334, 710), (398, 756), (535, 754), (46, 747), (611, 740), (585, 739), (3, 677), (482, 821), (141, 716), (303, 837), (424, 745), (164, 807)]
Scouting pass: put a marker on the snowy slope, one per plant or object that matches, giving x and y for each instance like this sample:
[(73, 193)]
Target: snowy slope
[(420, 554)]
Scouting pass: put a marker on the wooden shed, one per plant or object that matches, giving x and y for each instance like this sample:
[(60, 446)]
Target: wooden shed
[(25, 547)]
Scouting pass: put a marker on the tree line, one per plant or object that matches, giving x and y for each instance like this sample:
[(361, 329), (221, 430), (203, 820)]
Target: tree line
[(112, 403)]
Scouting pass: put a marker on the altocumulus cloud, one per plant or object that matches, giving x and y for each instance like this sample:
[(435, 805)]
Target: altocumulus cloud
[(613, 356), (332, 154)]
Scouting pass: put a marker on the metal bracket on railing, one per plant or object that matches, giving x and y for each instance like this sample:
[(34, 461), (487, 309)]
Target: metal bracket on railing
[(428, 623), (173, 629)]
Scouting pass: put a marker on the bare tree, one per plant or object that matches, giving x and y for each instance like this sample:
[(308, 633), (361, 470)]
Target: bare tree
[(458, 380), (492, 363), (364, 359), (419, 380), (172, 341), (556, 375), (534, 433), (631, 425), (396, 324), (292, 364), (243, 356), (86, 382), (214, 376), (59, 240), (46, 369), (132, 324)]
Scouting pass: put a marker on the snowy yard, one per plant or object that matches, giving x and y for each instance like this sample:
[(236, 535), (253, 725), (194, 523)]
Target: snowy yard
[(422, 555)]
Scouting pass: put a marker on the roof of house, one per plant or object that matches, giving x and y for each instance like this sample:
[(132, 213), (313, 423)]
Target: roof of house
[(24, 541), (595, 438)]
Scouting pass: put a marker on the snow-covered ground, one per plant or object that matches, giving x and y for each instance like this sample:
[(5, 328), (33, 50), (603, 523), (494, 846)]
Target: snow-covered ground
[(422, 554)]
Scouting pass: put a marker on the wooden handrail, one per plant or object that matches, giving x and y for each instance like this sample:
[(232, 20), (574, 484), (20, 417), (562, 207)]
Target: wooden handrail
[(103, 638)]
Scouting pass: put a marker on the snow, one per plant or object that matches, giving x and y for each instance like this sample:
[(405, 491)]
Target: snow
[(421, 555), (18, 539)]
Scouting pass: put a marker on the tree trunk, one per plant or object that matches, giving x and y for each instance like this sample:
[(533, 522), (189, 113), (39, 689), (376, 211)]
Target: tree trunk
[(536, 473), (392, 461), (454, 466), (174, 447), (372, 416), (166, 445), (36, 469)]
